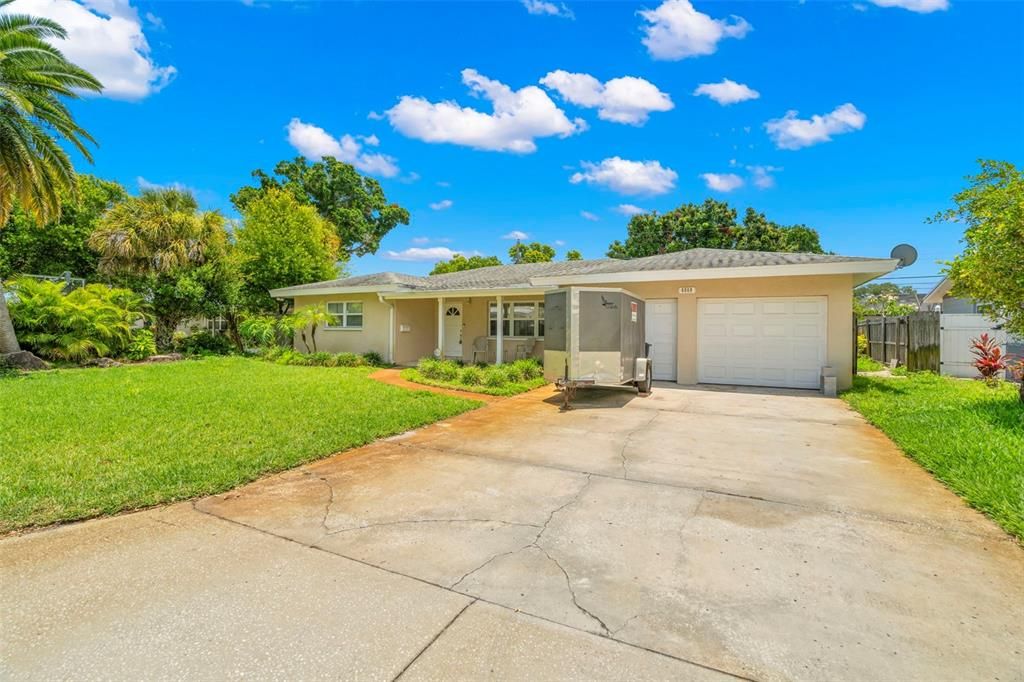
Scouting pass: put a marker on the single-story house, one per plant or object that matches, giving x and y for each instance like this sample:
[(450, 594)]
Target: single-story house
[(712, 316), (939, 300)]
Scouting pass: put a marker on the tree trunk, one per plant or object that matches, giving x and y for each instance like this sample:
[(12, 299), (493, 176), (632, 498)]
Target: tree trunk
[(233, 333), (163, 333), (8, 340)]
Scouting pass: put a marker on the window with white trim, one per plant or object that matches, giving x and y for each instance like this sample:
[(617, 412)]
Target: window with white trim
[(345, 315), (523, 319)]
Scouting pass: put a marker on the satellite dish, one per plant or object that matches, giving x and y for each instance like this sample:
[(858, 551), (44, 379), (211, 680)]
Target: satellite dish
[(905, 254)]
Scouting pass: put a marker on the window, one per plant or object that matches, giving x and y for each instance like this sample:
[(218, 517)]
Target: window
[(216, 325), (520, 319), (345, 315)]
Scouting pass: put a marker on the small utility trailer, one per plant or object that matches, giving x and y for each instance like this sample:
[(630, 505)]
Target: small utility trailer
[(594, 336)]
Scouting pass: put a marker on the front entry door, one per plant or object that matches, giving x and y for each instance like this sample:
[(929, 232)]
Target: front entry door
[(453, 330)]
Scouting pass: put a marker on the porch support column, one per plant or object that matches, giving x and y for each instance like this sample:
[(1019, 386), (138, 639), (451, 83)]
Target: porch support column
[(440, 327), (499, 352)]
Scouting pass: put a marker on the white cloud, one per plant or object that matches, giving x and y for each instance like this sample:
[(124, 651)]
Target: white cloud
[(105, 38), (627, 177), (590, 216), (722, 182), (420, 240), (516, 234), (622, 100), (414, 253), (790, 132), (370, 140), (727, 92), (762, 176), (676, 31), (519, 118), (548, 8), (375, 116), (315, 142), (442, 205), (629, 209), (919, 6), (442, 183), (145, 184)]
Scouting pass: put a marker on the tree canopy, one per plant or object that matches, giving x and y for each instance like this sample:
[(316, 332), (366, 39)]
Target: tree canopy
[(883, 298), (165, 248), (353, 204), (458, 263), (712, 224), (991, 268), (61, 246), (573, 254), (282, 243), (534, 252)]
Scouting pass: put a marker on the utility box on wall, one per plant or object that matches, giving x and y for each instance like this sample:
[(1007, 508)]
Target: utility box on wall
[(594, 335)]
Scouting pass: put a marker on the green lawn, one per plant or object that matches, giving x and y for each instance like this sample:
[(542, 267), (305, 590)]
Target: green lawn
[(867, 364), (84, 442), (970, 436)]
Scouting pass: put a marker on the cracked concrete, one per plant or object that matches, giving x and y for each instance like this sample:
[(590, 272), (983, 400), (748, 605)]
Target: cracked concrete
[(694, 534)]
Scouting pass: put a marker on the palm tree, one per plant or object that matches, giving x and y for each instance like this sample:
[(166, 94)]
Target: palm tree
[(155, 237), (34, 168)]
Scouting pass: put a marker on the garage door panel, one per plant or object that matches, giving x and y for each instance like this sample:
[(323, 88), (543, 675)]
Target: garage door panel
[(662, 331), (762, 341)]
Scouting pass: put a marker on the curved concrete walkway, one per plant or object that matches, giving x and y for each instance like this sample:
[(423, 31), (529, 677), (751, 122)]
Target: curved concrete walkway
[(694, 534)]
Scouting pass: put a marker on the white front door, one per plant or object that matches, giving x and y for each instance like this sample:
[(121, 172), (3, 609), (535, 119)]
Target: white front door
[(453, 330), (662, 332), (762, 341)]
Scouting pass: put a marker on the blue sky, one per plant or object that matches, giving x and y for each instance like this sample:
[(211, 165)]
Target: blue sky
[(907, 100)]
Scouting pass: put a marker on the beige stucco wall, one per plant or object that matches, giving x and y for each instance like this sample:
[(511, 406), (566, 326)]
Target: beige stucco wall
[(837, 288), (418, 317), (372, 337)]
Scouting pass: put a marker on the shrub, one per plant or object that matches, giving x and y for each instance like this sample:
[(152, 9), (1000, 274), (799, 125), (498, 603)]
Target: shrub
[(513, 372), (143, 344), (94, 320), (204, 343), (260, 330), (373, 359), (529, 368), (440, 370), (862, 344), (349, 360), (495, 377), (471, 376), (989, 358)]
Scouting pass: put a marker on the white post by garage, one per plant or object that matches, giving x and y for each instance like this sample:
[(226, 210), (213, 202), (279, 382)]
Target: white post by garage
[(499, 351), (440, 327)]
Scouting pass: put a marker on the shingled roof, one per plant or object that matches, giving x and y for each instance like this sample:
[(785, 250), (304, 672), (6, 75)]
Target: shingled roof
[(520, 276)]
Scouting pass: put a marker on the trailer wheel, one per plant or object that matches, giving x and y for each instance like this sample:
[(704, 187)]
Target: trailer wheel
[(645, 385)]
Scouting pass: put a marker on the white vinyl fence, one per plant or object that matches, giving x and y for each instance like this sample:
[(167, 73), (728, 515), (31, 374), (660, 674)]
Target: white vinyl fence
[(958, 329)]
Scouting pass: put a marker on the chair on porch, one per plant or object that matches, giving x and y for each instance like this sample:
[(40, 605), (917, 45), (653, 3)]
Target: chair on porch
[(480, 348)]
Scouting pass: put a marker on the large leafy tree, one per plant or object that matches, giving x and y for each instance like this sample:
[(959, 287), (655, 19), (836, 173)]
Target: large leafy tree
[(353, 204), (282, 243), (458, 263), (884, 298), (62, 245), (534, 252), (162, 245), (35, 78), (712, 224), (991, 268)]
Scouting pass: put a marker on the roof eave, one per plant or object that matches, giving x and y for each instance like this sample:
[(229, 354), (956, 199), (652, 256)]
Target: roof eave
[(868, 268), (292, 292)]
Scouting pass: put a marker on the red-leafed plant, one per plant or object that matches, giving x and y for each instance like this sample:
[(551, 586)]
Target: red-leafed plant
[(989, 358)]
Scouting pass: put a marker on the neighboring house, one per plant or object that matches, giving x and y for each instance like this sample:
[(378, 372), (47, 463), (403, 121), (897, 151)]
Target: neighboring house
[(939, 300), (713, 316)]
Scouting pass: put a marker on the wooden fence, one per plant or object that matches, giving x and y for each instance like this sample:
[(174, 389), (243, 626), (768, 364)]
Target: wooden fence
[(913, 339)]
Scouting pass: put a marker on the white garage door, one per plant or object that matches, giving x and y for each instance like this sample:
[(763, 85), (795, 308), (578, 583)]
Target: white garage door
[(762, 341), (662, 331)]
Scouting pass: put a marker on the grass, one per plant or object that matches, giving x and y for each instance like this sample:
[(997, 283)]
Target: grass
[(867, 364), (85, 442), (968, 435), (507, 389)]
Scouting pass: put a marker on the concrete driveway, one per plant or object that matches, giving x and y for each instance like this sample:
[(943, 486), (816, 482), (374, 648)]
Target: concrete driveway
[(695, 534)]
